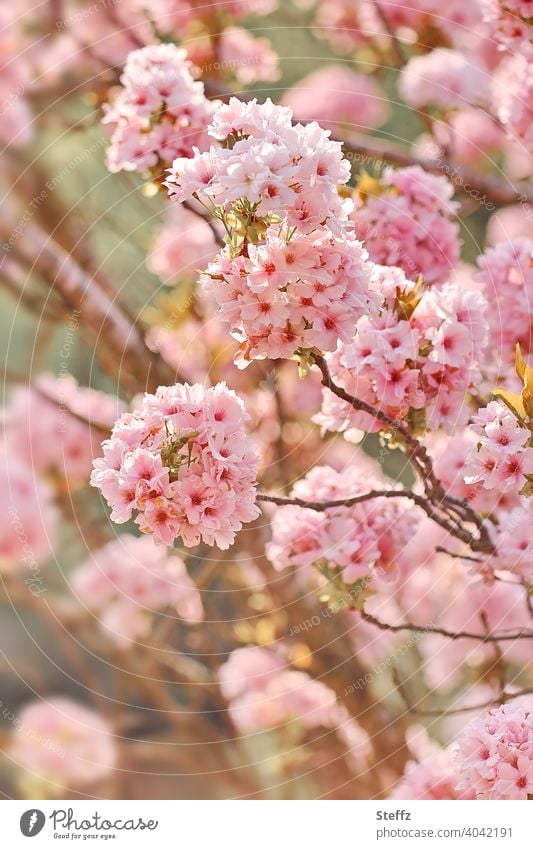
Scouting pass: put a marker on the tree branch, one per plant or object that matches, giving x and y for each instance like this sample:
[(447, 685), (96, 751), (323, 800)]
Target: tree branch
[(443, 632)]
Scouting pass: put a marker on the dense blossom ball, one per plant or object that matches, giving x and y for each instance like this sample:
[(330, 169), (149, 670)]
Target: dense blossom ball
[(406, 220), (64, 743), (363, 540), (506, 274), (414, 363), (56, 426), (29, 518), (161, 112), (129, 579), (495, 754), (293, 292), (184, 463)]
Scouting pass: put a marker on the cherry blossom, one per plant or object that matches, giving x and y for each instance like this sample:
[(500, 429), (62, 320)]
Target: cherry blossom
[(161, 112), (406, 219), (495, 754), (365, 540), (184, 464), (63, 743), (129, 579)]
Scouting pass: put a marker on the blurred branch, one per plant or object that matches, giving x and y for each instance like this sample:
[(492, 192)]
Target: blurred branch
[(443, 632)]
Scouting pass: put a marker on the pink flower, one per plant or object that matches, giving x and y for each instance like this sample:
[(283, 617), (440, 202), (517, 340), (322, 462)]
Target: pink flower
[(28, 520), (336, 96), (365, 540), (290, 293), (506, 273), (43, 426), (512, 93), (446, 78), (129, 579), (184, 463), (501, 458), (495, 754), (161, 112), (63, 744), (292, 169), (424, 361), (264, 693), (408, 223)]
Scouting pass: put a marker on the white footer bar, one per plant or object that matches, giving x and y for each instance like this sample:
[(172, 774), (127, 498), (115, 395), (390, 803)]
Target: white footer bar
[(267, 824)]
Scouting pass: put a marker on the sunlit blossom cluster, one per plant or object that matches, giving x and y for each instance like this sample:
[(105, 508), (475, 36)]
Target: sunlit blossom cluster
[(495, 754), (291, 171), (406, 219), (184, 464), (502, 458), (160, 113), (289, 292), (414, 361)]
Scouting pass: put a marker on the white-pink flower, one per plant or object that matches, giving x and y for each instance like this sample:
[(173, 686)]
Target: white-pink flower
[(160, 113)]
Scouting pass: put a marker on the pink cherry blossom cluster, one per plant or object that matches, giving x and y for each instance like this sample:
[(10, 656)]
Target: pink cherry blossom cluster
[(276, 167), (336, 96), (290, 292), (28, 529), (445, 78), (184, 463), (512, 96), (407, 221), (431, 775), (183, 244), (451, 455), (130, 578), (495, 754), (510, 22), (264, 692), (62, 743), (364, 540), (292, 275), (160, 113), (502, 458), (506, 274), (413, 365), (56, 426), (512, 538)]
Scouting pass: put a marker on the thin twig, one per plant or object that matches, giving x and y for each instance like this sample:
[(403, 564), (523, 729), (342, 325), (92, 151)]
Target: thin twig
[(443, 632)]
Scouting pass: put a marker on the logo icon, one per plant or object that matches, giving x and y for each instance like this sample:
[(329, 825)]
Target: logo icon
[(32, 822)]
